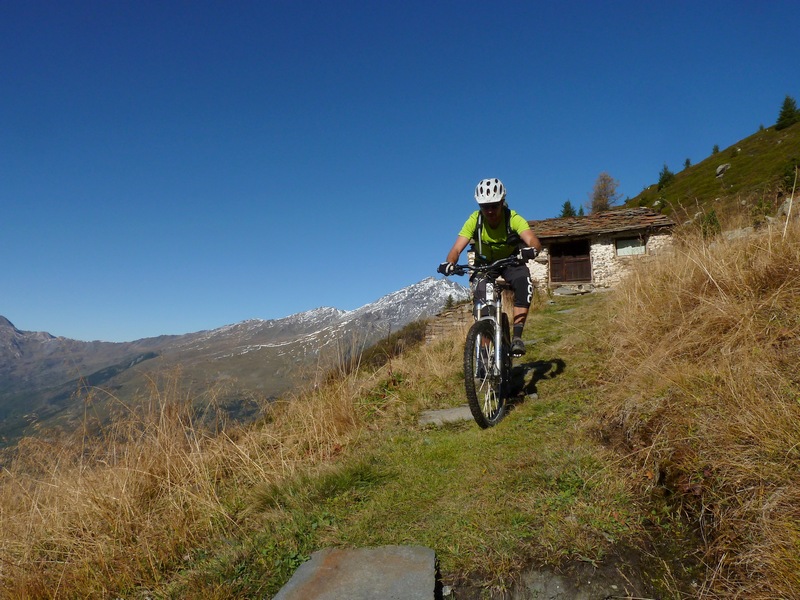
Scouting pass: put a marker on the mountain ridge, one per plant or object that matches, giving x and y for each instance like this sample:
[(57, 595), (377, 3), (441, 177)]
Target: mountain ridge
[(42, 376)]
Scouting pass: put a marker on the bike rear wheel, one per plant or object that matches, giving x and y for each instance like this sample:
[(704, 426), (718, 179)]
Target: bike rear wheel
[(483, 377)]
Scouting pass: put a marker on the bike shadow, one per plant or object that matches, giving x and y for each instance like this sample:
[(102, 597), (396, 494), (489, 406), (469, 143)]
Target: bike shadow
[(525, 376)]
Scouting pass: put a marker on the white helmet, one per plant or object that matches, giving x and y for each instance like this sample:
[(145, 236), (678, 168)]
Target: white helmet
[(490, 191)]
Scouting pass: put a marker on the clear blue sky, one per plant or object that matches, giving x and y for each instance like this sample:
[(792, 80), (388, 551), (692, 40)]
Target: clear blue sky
[(168, 167)]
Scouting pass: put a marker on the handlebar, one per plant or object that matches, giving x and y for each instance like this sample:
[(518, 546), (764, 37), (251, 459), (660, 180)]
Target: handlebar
[(487, 268)]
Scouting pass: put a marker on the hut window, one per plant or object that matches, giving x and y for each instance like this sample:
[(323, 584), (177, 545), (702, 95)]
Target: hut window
[(630, 246)]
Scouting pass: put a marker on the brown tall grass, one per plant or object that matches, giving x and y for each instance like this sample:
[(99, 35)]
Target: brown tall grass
[(704, 350), (121, 509)]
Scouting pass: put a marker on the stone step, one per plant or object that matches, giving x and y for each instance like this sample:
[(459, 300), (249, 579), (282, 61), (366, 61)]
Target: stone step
[(410, 573), (445, 415), (385, 572)]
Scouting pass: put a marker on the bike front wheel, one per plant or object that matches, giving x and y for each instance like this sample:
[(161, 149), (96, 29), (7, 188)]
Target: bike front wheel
[(483, 376)]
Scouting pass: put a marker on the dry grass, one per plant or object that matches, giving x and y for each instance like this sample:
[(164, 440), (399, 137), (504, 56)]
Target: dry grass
[(82, 516), (706, 396), (121, 509)]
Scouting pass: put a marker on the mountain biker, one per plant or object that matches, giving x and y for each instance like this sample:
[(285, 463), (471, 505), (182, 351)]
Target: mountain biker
[(498, 232)]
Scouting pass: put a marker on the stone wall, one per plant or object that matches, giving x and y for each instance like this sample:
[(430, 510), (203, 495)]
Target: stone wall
[(450, 319), (539, 269), (608, 269)]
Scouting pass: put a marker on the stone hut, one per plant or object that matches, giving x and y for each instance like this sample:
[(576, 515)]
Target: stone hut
[(595, 251)]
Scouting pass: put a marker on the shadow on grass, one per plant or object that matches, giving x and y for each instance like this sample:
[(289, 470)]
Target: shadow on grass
[(525, 376)]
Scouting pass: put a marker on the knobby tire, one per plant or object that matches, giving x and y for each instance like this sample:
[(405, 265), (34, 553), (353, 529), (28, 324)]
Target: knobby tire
[(483, 379)]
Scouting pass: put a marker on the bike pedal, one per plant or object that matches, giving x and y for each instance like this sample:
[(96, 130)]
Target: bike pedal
[(517, 347)]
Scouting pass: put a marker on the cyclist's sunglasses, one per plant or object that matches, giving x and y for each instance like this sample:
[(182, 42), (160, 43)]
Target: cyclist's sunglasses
[(491, 206)]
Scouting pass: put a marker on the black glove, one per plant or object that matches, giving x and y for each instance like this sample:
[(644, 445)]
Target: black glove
[(528, 253), (446, 268)]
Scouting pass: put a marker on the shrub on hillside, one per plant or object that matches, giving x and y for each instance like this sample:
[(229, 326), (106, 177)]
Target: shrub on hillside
[(789, 178), (395, 344)]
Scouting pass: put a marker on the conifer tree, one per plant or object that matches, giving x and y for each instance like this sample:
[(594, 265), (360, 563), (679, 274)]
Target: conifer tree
[(789, 114), (665, 177), (567, 210)]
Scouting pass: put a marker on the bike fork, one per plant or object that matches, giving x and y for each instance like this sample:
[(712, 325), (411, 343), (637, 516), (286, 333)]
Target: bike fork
[(498, 336), (497, 312)]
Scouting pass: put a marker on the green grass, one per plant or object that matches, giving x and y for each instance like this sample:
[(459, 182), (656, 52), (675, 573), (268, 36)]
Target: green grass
[(760, 168)]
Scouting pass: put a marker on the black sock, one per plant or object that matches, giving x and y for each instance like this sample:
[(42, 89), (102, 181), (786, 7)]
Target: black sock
[(518, 330)]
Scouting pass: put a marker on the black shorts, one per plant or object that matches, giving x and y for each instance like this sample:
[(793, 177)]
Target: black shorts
[(518, 276)]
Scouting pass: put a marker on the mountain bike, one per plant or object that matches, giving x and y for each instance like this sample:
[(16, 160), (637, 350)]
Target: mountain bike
[(487, 352)]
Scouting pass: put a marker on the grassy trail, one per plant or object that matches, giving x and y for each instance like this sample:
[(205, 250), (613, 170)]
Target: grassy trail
[(539, 488)]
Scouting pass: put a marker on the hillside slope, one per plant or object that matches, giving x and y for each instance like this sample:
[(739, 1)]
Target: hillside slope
[(750, 177)]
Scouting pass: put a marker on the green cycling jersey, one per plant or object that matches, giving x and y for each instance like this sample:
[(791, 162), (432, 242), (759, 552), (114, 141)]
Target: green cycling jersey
[(493, 243)]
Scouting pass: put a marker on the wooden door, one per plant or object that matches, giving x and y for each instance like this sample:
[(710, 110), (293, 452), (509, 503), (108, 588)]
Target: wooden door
[(570, 262)]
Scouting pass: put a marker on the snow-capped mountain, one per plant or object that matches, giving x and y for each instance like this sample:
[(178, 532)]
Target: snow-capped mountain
[(40, 374), (321, 327), (414, 302)]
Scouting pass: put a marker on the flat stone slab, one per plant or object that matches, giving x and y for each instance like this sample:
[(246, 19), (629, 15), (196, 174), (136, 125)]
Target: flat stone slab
[(445, 415), (385, 572), (565, 291)]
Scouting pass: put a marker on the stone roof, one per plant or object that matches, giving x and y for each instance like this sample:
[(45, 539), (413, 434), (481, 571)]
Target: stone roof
[(610, 221)]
